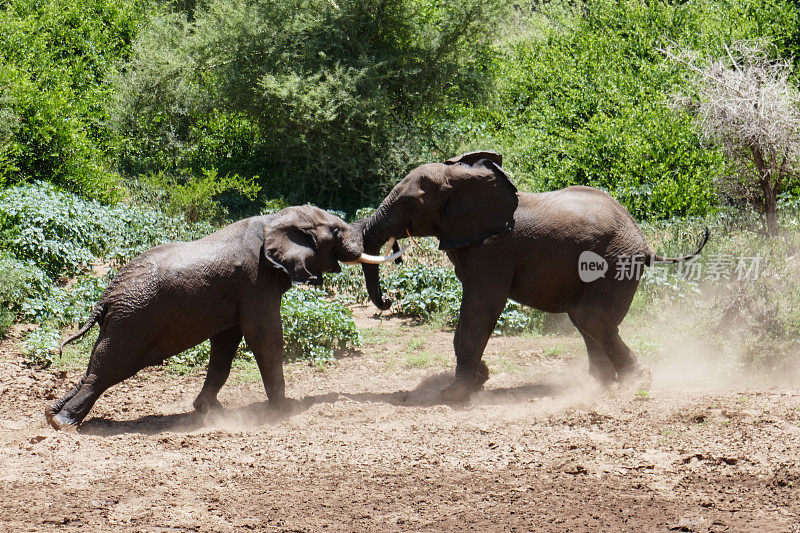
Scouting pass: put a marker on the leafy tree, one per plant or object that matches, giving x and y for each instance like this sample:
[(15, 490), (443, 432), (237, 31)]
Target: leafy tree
[(582, 98), (55, 57), (325, 101)]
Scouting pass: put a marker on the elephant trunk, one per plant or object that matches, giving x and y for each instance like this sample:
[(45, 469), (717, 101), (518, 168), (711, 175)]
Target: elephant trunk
[(378, 229), (350, 246)]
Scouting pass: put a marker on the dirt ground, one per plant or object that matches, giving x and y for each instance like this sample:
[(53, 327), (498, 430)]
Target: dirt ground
[(368, 446)]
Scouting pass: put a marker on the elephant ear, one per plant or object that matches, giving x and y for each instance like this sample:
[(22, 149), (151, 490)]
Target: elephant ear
[(482, 202), (289, 244), (471, 158)]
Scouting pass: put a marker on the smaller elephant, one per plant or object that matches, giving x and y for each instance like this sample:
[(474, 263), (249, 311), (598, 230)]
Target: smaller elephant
[(222, 287)]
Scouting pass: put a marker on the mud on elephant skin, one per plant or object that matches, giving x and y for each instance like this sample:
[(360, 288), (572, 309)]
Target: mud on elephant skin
[(223, 287), (507, 244)]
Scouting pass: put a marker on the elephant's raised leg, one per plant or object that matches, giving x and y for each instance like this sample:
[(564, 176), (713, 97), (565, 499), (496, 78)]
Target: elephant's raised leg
[(223, 350), (265, 339), (628, 368), (481, 306)]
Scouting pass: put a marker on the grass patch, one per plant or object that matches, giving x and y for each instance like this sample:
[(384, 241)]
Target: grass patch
[(370, 336), (424, 359)]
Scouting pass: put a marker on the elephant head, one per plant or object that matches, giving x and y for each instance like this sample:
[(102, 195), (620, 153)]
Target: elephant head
[(463, 201), (306, 241)]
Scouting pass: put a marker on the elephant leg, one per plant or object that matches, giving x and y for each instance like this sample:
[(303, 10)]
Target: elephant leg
[(601, 333), (481, 306), (57, 406), (109, 364), (265, 339), (600, 366), (628, 368), (223, 350)]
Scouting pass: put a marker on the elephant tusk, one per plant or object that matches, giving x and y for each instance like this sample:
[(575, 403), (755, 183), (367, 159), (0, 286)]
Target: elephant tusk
[(377, 259)]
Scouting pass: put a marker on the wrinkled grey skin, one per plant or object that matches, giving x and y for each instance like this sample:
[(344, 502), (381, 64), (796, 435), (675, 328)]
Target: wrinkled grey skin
[(222, 287), (505, 244)]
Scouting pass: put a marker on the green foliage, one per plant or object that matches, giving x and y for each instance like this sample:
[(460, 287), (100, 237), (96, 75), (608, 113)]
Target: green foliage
[(518, 319), (325, 101), (348, 283), (196, 356), (314, 327), (62, 306), (424, 292), (62, 234), (582, 94), (432, 293), (55, 58), (202, 198), (13, 290), (40, 344)]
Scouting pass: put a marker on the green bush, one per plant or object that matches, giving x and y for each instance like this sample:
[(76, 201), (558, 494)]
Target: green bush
[(207, 197), (324, 101), (424, 292), (40, 344), (314, 327), (582, 95), (55, 60), (62, 306), (433, 293), (12, 290), (63, 234), (349, 283)]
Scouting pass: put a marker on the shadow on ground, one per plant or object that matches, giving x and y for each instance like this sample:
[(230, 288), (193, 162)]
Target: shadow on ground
[(426, 394)]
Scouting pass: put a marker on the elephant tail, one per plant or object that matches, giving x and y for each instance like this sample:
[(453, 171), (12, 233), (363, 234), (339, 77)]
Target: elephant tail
[(655, 258), (97, 314)]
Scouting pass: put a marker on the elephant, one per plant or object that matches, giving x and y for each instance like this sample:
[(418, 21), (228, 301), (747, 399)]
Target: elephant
[(525, 246), (223, 287)]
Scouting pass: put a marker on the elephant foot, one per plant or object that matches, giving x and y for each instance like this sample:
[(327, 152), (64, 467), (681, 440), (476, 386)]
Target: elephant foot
[(637, 377), (60, 420), (456, 392), (206, 404), (282, 404), (464, 386)]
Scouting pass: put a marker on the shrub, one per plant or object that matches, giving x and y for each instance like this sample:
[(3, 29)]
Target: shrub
[(314, 327), (55, 59), (582, 98), (63, 234), (208, 197), (62, 306), (12, 290), (423, 292), (348, 284), (40, 344), (759, 319), (433, 293), (324, 101)]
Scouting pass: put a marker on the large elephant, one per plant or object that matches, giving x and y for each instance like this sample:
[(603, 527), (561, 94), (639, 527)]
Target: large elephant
[(506, 244), (221, 287)]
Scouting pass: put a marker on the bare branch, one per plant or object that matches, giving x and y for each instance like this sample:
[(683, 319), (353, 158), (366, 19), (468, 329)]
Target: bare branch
[(745, 104)]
